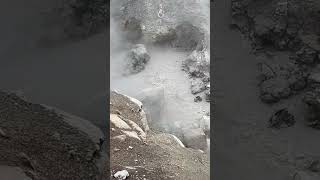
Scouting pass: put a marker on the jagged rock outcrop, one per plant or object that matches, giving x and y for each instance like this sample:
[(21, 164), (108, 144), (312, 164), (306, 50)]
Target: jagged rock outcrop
[(197, 65), (136, 59), (168, 22), (283, 25), (144, 153), (281, 81)]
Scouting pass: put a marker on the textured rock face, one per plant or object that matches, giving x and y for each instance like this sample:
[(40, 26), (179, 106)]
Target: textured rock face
[(171, 20), (281, 81), (146, 154), (197, 65), (281, 119), (282, 24)]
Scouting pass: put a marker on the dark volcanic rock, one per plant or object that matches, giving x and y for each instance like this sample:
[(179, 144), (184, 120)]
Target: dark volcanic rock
[(279, 82), (281, 119)]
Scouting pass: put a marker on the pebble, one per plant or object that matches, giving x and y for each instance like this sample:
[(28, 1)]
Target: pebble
[(121, 174), (3, 134)]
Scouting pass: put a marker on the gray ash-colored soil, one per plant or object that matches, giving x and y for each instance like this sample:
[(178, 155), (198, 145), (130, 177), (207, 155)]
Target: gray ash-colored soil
[(43, 143), (158, 157), (246, 147), (41, 61)]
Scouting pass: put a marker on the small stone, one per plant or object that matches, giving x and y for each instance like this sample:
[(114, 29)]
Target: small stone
[(197, 99), (130, 147), (121, 175), (3, 134)]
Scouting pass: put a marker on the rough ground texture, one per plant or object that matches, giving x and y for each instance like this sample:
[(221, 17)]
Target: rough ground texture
[(46, 143), (242, 135), (146, 154), (290, 26)]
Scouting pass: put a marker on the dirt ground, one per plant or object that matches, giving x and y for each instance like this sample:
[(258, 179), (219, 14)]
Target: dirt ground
[(158, 157), (47, 143), (244, 147)]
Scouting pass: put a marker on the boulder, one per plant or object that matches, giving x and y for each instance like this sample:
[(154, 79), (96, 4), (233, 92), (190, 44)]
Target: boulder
[(194, 138), (272, 90), (136, 59), (187, 37), (197, 64), (197, 86), (197, 99), (307, 55), (281, 119)]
